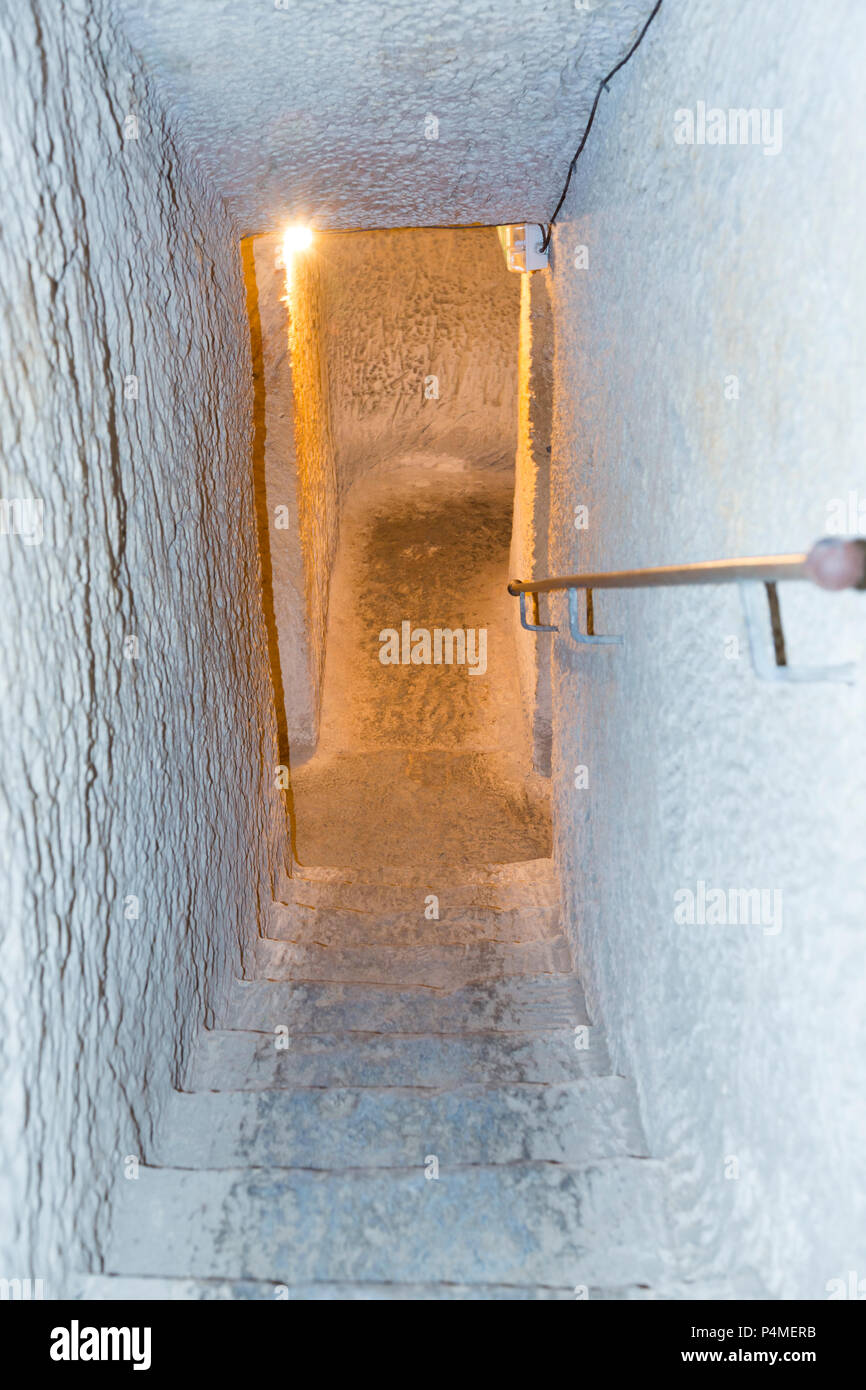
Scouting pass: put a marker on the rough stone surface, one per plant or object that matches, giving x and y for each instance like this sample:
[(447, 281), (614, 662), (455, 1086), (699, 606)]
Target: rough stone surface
[(285, 455), (128, 775), (526, 1004), (480, 883), (366, 348), (233, 1060), (707, 262), (445, 1139), (221, 1290), (321, 111), (421, 329), (425, 543), (434, 966), (327, 926), (536, 1223), (563, 1122), (531, 519), (707, 386)]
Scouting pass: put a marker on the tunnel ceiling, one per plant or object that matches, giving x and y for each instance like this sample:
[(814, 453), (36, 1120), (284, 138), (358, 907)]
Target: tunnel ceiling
[(319, 110)]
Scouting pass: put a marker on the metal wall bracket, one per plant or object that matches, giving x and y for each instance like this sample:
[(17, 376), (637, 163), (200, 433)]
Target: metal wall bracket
[(588, 638), (770, 663), (534, 626)]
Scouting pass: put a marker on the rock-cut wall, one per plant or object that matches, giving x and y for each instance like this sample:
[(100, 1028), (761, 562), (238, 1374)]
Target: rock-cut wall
[(709, 403), (138, 825)]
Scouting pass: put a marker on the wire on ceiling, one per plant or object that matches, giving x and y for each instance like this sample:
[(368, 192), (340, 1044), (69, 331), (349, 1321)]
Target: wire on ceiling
[(601, 88)]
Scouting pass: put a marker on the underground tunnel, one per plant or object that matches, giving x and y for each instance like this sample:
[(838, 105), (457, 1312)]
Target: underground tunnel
[(432, 540), (412, 480)]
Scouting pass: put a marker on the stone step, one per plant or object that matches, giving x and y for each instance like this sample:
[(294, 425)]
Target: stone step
[(432, 966), (411, 899), (525, 1003), (595, 1225), (106, 1288), (109, 1287), (460, 925), (525, 871), (566, 1122), (243, 1061)]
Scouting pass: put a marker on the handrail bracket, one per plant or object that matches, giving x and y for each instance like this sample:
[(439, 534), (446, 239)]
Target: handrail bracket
[(535, 625), (589, 638), (769, 658)]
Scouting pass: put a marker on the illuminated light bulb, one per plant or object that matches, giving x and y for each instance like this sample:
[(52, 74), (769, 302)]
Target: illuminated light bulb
[(296, 238)]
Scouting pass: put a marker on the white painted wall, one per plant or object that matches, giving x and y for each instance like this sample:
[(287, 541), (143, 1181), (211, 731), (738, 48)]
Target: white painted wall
[(151, 777), (707, 262)]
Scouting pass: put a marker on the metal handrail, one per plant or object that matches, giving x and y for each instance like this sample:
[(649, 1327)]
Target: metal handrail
[(832, 563)]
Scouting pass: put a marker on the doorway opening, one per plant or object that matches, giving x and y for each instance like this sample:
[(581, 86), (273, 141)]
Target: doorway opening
[(395, 393)]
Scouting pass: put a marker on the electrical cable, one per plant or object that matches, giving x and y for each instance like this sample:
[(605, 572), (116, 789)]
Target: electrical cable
[(602, 87)]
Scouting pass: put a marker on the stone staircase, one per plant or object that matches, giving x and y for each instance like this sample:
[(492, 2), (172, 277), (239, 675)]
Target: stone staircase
[(397, 1107)]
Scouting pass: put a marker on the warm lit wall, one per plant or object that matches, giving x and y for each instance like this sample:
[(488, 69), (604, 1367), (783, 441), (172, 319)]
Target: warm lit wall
[(127, 774), (317, 472), (353, 339), (707, 263), (529, 540), (296, 478), (410, 314)]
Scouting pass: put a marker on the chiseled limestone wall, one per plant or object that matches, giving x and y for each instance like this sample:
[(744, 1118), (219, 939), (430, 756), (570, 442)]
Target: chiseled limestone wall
[(138, 824), (422, 333), (529, 540), (294, 465), (315, 462), (373, 349), (709, 380)]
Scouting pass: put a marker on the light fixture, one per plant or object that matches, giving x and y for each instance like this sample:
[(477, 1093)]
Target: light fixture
[(296, 238), (523, 245)]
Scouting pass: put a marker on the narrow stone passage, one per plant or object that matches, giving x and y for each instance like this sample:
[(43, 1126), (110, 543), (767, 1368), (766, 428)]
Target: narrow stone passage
[(420, 762), (512, 966), (406, 1099), (398, 1107), (404, 1096)]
